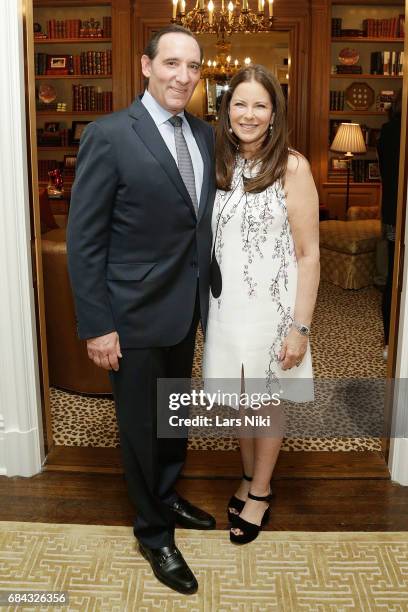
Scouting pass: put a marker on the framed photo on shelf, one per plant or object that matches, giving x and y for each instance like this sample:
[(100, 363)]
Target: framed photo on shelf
[(51, 126), (374, 171), (77, 129), (57, 64), (338, 164)]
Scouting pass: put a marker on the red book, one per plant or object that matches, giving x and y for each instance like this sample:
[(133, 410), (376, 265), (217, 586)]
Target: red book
[(401, 26)]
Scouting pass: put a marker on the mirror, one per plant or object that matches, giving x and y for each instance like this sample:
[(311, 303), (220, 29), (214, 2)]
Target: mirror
[(270, 49)]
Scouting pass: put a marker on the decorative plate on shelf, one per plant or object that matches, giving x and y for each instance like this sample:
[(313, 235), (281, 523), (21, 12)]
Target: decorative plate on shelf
[(47, 93), (359, 96), (348, 56)]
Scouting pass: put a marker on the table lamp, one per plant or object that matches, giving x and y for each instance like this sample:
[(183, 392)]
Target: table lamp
[(348, 140)]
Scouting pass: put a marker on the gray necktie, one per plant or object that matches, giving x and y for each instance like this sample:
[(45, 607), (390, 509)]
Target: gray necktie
[(185, 165)]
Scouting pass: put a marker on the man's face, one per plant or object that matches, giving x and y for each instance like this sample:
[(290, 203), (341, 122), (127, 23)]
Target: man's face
[(175, 71)]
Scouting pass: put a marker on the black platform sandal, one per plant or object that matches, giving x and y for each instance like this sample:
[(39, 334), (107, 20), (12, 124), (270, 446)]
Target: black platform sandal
[(235, 503), (250, 531)]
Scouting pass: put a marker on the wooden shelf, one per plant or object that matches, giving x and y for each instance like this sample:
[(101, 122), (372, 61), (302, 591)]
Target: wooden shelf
[(47, 77), (64, 41), (67, 148), (365, 39), (357, 112), (365, 76), (352, 184), (71, 114)]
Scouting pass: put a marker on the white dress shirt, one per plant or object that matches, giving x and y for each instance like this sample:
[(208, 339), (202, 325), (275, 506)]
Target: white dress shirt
[(161, 116)]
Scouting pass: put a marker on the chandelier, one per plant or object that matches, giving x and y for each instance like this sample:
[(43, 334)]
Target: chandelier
[(222, 68), (225, 20)]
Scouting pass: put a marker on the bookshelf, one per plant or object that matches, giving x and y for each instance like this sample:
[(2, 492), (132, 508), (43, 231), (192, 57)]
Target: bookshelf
[(364, 33), (82, 60)]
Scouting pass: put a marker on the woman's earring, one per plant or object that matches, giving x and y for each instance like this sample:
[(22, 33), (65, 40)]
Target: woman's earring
[(270, 128), (230, 130)]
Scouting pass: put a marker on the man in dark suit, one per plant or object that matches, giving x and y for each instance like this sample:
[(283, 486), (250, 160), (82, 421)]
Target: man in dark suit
[(139, 244)]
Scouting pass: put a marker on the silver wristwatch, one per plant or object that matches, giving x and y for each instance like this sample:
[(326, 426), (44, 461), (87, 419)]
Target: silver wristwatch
[(303, 330)]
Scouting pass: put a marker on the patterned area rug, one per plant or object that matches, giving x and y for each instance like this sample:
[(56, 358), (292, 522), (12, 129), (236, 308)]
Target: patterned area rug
[(346, 343), (101, 569)]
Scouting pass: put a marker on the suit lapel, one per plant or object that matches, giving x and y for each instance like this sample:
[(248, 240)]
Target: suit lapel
[(147, 131), (199, 138)]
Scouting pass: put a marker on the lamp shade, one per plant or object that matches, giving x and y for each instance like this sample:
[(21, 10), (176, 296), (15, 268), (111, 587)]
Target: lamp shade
[(349, 139)]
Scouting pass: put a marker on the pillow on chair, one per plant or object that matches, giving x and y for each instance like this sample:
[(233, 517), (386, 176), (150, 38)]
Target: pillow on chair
[(357, 213)]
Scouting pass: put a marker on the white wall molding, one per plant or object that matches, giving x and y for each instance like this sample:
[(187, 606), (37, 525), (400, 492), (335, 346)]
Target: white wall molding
[(21, 437)]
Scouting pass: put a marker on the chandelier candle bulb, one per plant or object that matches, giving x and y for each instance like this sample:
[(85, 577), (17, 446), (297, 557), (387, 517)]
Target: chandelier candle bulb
[(210, 11), (230, 10), (183, 7), (260, 6), (244, 5), (175, 2), (270, 8)]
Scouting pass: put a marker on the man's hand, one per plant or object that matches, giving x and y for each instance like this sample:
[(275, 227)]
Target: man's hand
[(104, 351)]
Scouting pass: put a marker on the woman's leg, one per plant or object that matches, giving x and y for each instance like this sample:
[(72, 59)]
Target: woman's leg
[(246, 445), (266, 447), (247, 458), (266, 454)]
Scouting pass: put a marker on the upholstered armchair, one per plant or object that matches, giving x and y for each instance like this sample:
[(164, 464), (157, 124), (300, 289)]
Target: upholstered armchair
[(348, 249), (68, 362)]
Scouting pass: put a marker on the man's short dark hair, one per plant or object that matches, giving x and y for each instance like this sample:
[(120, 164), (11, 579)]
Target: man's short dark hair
[(152, 46)]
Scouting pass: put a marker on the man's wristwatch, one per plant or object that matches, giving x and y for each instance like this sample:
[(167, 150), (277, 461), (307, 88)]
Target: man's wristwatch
[(303, 330)]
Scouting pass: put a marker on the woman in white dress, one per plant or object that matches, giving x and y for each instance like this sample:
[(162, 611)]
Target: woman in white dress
[(265, 274)]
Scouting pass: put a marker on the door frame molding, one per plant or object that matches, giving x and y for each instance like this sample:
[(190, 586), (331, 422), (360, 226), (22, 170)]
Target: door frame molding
[(21, 434)]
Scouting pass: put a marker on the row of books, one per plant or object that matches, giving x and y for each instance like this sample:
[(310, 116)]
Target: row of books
[(60, 138), (387, 62), (88, 62), (336, 100), (385, 28), (93, 62), (88, 98), (76, 28), (362, 172), (371, 28)]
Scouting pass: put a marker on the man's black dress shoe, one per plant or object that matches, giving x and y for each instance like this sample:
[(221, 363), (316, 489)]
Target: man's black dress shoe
[(190, 516), (170, 568)]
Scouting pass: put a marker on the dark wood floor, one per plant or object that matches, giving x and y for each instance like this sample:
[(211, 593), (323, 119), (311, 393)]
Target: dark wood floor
[(331, 499)]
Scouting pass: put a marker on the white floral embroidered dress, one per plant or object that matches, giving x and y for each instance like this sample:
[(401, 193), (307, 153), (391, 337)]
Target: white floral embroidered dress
[(248, 321)]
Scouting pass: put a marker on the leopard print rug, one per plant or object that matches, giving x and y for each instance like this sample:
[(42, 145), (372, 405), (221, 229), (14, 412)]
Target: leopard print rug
[(346, 343)]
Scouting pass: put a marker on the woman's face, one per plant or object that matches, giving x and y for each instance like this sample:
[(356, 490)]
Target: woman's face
[(250, 113)]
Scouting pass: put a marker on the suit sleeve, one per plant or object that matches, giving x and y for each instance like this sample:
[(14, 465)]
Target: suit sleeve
[(92, 200)]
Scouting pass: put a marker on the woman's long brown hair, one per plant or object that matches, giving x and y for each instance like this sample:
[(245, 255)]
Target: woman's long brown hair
[(273, 154)]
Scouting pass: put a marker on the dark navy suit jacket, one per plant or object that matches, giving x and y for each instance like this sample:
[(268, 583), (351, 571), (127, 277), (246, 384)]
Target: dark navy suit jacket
[(135, 245)]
